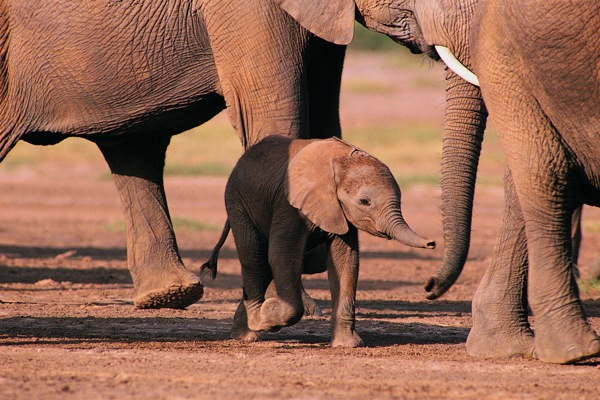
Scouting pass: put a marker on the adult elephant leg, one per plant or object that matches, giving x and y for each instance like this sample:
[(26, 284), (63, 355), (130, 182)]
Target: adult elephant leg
[(500, 323), (545, 185), (576, 237), (159, 277), (324, 80), (263, 77)]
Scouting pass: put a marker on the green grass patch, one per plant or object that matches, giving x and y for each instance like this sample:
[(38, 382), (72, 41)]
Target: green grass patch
[(591, 226), (73, 150), (418, 179), (200, 169), (395, 55), (490, 180), (589, 285), (180, 224), (364, 86), (210, 149), (367, 40)]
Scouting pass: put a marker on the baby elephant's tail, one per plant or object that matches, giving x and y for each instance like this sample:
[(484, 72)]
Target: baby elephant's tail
[(211, 264)]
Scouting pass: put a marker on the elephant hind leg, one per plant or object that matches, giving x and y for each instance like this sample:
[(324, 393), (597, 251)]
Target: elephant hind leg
[(240, 330), (500, 322), (160, 279)]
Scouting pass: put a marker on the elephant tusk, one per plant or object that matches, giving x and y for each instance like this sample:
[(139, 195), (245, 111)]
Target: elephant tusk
[(456, 66)]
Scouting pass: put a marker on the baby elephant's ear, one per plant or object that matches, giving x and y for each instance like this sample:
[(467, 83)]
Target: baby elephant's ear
[(311, 187)]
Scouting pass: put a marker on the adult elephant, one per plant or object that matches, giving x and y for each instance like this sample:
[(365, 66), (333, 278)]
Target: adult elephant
[(128, 75), (538, 63)]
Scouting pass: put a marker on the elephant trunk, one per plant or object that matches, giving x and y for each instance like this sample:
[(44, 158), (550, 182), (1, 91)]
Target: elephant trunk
[(466, 117), (402, 233)]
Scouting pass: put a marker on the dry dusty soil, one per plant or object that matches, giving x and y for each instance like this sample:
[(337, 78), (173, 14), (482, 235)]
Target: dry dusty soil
[(69, 330)]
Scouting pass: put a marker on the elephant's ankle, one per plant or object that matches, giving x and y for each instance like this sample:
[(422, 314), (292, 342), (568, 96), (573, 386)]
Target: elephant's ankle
[(345, 338), (499, 331), (274, 314), (564, 340)]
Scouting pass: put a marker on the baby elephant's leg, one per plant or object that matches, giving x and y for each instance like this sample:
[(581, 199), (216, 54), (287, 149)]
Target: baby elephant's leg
[(343, 277), (240, 330), (285, 258), (315, 262), (256, 274), (311, 307)]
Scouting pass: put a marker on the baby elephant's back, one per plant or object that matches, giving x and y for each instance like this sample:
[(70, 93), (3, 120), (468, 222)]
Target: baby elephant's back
[(259, 173)]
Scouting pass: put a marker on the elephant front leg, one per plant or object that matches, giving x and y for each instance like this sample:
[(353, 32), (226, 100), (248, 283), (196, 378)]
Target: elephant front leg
[(159, 277), (500, 323), (343, 278), (287, 240)]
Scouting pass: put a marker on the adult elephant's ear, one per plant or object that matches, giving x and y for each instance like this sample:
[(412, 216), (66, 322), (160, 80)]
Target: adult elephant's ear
[(311, 188), (332, 20)]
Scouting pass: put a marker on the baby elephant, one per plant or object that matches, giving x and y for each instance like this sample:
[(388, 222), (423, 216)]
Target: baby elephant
[(287, 197)]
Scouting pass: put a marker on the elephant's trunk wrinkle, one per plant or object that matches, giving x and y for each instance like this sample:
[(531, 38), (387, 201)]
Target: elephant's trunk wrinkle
[(466, 117)]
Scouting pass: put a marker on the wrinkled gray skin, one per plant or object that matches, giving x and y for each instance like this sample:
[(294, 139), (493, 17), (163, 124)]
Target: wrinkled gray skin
[(314, 193), (537, 62), (128, 75)]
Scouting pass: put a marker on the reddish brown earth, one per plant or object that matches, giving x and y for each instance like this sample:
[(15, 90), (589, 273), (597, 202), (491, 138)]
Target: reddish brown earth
[(69, 330)]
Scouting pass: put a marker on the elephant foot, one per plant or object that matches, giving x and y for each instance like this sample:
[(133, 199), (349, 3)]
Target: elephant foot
[(242, 333), (311, 307), (500, 343), (347, 338), (565, 343), (500, 325), (240, 330), (273, 314), (178, 294)]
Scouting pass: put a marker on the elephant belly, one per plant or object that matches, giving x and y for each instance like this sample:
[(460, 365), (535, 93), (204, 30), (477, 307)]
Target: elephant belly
[(105, 68)]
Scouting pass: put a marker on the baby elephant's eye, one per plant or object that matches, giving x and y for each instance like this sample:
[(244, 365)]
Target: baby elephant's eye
[(365, 201)]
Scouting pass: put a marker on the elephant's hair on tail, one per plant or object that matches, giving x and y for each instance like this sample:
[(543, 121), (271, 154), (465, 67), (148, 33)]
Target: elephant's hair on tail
[(211, 264)]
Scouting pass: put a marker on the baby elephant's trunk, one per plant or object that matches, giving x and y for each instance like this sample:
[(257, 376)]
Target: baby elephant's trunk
[(402, 233)]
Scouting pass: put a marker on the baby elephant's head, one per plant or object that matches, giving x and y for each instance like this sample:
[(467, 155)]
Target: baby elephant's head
[(333, 183)]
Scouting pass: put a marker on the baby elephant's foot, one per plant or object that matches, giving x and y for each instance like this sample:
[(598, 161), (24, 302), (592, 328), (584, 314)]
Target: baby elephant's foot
[(273, 314), (244, 334), (311, 307), (565, 342), (240, 330), (346, 338)]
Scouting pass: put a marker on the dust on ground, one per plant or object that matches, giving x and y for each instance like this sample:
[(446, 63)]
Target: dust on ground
[(69, 330)]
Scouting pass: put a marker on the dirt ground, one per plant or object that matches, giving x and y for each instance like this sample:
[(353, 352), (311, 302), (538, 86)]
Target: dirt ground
[(69, 330)]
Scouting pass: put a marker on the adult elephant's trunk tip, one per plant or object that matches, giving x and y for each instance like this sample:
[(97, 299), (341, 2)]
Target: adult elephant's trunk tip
[(437, 285), (433, 288)]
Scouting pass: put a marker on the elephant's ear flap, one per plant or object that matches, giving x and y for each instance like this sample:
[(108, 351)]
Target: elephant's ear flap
[(332, 20), (311, 188)]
